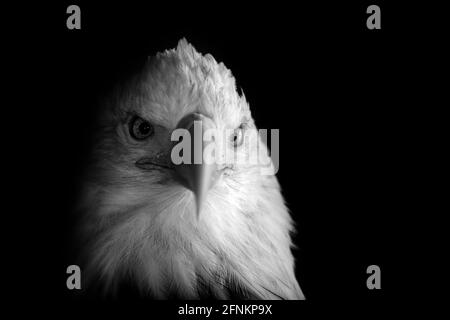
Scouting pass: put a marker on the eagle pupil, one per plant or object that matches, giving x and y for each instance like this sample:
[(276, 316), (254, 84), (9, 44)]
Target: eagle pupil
[(144, 128)]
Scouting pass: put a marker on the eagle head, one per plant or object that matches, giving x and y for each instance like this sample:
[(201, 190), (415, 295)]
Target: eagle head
[(177, 200)]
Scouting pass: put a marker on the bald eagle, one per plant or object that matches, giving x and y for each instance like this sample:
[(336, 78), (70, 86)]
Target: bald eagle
[(187, 230)]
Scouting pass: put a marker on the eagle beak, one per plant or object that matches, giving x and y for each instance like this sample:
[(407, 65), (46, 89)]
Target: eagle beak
[(198, 175)]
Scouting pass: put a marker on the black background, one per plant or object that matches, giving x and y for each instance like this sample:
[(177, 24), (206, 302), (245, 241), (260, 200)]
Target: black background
[(335, 89)]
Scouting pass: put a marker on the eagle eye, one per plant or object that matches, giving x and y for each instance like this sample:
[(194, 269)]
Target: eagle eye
[(140, 129), (238, 136)]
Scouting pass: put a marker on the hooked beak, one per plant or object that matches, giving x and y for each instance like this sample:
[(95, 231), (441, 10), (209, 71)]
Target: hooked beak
[(197, 174)]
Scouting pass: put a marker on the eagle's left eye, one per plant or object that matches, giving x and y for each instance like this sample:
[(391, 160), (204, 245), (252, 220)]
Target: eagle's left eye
[(140, 129), (238, 136)]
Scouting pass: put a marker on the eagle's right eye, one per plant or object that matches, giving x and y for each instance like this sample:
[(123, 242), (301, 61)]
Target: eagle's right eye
[(140, 129)]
